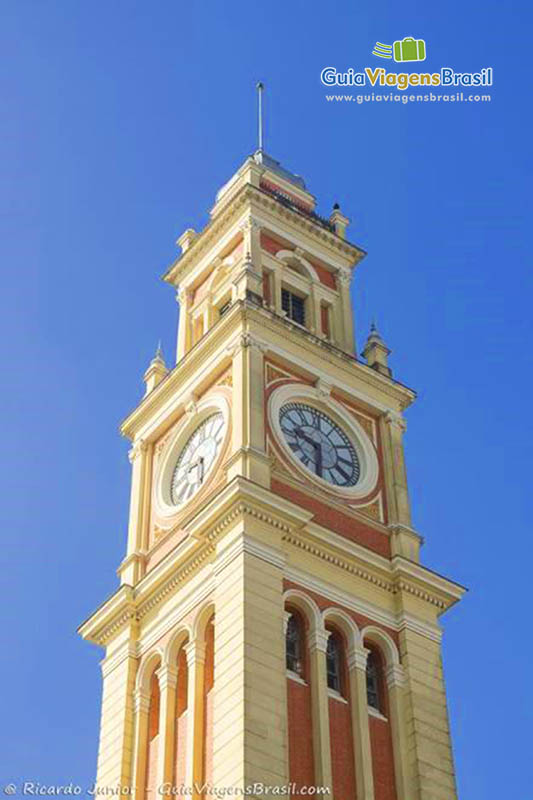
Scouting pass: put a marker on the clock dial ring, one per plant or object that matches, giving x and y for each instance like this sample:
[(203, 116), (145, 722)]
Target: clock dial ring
[(344, 486), (199, 437), (197, 458), (320, 443)]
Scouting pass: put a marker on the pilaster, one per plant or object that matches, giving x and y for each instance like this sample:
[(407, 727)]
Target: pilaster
[(248, 458), (140, 457), (395, 678), (429, 761), (346, 337), (184, 298), (393, 427), (116, 747), (195, 652), (248, 282), (167, 676), (320, 709), (250, 699), (140, 751), (361, 734)]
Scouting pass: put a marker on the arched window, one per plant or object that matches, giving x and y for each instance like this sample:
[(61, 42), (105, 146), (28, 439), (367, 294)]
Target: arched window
[(294, 645), (333, 662), (373, 681)]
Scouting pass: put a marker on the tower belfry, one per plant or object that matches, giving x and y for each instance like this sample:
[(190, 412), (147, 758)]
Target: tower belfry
[(274, 624)]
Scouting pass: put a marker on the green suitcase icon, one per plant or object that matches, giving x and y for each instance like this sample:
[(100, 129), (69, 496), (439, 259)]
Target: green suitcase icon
[(410, 49)]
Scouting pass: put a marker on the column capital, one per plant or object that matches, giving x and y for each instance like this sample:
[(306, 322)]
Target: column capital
[(395, 675), (396, 420), (167, 676), (195, 652), (250, 224), (183, 295), (247, 340), (357, 658), (318, 640), (344, 276), (141, 701), (138, 447)]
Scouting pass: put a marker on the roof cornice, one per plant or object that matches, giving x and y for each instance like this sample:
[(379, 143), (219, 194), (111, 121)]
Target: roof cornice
[(251, 194)]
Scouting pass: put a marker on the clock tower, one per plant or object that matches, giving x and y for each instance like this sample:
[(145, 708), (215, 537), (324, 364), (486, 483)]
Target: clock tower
[(274, 631)]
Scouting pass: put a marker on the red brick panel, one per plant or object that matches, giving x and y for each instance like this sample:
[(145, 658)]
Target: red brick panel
[(301, 762), (342, 755), (349, 528), (382, 759), (381, 739)]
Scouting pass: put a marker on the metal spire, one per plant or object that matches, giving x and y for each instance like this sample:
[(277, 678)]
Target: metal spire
[(260, 88)]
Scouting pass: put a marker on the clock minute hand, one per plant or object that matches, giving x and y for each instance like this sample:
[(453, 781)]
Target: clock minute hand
[(318, 450)]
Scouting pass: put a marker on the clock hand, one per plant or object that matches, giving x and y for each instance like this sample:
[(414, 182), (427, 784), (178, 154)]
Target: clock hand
[(318, 450)]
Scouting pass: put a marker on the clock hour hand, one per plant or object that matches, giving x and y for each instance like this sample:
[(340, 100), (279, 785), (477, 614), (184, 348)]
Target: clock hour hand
[(318, 450), (199, 467)]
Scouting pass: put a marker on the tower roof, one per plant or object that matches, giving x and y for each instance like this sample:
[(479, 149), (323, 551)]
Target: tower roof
[(260, 157)]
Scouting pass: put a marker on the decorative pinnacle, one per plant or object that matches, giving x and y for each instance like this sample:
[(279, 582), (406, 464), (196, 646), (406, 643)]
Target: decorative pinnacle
[(159, 353), (374, 333), (376, 351), (260, 86)]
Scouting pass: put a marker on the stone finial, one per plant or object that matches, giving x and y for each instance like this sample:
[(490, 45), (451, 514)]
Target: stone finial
[(157, 369), (339, 221), (376, 352), (186, 239)]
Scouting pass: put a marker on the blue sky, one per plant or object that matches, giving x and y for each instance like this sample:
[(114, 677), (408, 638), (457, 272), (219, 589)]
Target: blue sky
[(119, 122)]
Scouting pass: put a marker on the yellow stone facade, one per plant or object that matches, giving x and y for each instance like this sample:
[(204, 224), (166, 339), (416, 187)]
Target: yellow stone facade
[(257, 535)]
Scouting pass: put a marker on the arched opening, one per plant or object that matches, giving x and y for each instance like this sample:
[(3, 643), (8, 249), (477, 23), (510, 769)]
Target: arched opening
[(375, 690), (299, 704), (340, 717), (379, 723), (294, 644), (153, 737), (209, 682), (335, 662)]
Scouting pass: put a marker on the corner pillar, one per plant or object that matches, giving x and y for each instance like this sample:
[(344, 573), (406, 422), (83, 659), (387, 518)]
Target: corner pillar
[(249, 281), (249, 458), (429, 767), (346, 336), (131, 569), (184, 298)]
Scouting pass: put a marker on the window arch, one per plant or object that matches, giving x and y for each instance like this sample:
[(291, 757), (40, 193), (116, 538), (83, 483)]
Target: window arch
[(374, 681), (334, 665), (294, 644)]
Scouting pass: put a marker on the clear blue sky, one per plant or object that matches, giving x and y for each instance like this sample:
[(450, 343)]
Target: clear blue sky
[(119, 122)]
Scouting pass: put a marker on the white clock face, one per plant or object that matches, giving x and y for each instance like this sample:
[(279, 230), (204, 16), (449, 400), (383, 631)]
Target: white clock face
[(320, 444), (197, 457)]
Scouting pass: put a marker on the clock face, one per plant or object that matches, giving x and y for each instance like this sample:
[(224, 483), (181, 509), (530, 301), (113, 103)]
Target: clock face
[(197, 457), (320, 444)]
